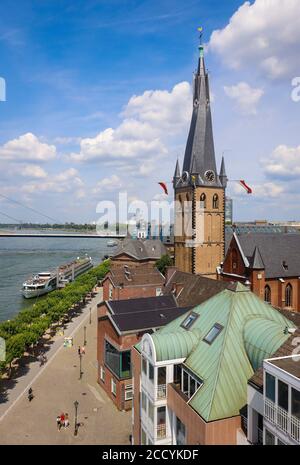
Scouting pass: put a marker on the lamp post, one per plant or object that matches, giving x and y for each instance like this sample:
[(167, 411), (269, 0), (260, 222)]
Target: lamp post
[(80, 371), (76, 403), (90, 315), (84, 331)]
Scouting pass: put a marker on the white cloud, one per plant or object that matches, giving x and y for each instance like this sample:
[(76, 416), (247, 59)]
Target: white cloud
[(264, 34), (284, 163), (32, 171), (65, 181), (150, 122), (109, 184), (263, 191), (27, 148), (246, 97)]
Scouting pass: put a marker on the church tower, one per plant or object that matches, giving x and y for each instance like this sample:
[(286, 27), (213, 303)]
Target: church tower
[(199, 191)]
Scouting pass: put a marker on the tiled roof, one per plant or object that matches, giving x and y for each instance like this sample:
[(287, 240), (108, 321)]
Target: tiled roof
[(195, 289), (141, 249), (128, 276)]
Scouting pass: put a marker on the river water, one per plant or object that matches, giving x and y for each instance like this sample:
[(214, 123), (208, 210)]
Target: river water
[(21, 257)]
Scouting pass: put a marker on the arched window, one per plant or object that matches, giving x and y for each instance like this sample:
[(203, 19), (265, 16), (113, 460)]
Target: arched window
[(234, 259), (289, 296), (203, 200), (215, 201), (268, 294)]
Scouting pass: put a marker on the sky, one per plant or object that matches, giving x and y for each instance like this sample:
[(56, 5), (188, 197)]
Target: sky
[(98, 100)]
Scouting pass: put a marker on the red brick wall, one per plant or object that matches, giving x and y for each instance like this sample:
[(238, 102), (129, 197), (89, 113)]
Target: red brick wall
[(107, 332), (129, 292), (227, 266)]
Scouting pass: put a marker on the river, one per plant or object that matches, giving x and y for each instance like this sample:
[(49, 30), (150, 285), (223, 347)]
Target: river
[(21, 257)]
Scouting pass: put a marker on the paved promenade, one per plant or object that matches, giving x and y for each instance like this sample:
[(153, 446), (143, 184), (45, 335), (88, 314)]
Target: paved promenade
[(56, 386)]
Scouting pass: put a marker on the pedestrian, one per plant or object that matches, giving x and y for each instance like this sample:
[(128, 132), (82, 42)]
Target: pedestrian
[(67, 423), (83, 350), (44, 359), (58, 423), (79, 350), (62, 419)]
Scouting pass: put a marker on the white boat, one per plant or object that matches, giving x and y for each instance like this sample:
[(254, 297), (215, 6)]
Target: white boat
[(112, 243), (47, 281)]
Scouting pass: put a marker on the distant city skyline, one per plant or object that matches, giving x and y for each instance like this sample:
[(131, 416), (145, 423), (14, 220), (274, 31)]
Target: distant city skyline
[(98, 100)]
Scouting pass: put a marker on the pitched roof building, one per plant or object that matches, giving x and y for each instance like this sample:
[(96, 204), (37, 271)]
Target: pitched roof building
[(139, 250), (269, 263), (205, 358)]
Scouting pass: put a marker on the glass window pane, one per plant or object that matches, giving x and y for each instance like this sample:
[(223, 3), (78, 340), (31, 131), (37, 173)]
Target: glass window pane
[(213, 333), (112, 358), (144, 366), (125, 364), (151, 372), (144, 402), (150, 411), (192, 386), (177, 374), (161, 375), (269, 438), (296, 403), (180, 433), (185, 387), (143, 439), (283, 395), (270, 387)]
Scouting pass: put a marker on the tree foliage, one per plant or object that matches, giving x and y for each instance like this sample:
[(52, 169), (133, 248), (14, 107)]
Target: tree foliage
[(163, 263)]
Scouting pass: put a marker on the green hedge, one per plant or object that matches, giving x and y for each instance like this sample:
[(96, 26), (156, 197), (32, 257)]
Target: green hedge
[(30, 324)]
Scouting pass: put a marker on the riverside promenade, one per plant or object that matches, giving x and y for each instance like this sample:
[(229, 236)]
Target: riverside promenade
[(56, 386)]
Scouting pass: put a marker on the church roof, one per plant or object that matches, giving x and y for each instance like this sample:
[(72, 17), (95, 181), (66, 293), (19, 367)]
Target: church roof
[(141, 249), (200, 152)]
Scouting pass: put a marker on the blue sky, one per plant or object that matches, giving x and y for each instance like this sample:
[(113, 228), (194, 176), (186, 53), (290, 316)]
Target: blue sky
[(99, 100)]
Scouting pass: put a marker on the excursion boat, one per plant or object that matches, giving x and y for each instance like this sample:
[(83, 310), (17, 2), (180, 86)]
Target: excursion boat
[(47, 281), (112, 243)]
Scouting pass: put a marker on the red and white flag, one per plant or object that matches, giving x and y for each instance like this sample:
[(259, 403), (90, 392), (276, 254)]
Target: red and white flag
[(245, 186), (164, 186)]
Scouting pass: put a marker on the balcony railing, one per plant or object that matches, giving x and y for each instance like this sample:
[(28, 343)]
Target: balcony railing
[(161, 391), (289, 424), (161, 431)]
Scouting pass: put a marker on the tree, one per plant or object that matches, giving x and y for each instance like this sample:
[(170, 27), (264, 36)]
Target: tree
[(163, 263)]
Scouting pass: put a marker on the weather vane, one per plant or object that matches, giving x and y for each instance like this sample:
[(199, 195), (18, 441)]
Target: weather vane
[(200, 29)]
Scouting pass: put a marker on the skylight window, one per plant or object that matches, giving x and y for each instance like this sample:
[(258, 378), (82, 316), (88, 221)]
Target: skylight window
[(189, 321), (213, 333)]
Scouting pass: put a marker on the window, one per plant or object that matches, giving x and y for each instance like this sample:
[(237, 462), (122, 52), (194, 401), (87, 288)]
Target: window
[(215, 201), (185, 382), (180, 433), (144, 366), (202, 201), (189, 321), (177, 374), (151, 372), (283, 395), (143, 438), (296, 403), (110, 292), (113, 387), (280, 443), (151, 411), (158, 291), (289, 296), (190, 383), (268, 294), (269, 438), (270, 387), (213, 333), (144, 402), (102, 374), (128, 392), (161, 375), (161, 422), (118, 362)]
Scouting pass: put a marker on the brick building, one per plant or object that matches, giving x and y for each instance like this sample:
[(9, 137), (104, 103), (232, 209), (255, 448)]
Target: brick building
[(190, 377), (269, 264), (121, 324), (132, 281)]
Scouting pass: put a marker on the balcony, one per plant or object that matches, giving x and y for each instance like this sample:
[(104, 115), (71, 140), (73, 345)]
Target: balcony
[(161, 391), (289, 424)]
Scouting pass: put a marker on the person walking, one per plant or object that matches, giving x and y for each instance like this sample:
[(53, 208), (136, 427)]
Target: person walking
[(83, 350), (79, 350), (67, 423), (58, 422), (62, 419)]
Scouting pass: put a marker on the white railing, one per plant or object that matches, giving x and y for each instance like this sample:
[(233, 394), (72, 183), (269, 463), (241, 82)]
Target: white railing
[(161, 431), (295, 428), (161, 391), (289, 424)]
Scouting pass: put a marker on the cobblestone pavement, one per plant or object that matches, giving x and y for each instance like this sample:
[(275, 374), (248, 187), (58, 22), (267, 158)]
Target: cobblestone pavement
[(56, 386)]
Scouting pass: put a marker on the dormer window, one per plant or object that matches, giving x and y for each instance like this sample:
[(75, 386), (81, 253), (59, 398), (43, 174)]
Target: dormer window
[(285, 265), (213, 333), (189, 321)]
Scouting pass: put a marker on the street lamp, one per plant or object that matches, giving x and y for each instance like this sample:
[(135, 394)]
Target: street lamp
[(84, 330), (76, 403), (80, 371)]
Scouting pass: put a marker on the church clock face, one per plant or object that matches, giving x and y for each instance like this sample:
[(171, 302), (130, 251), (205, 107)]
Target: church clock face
[(209, 175)]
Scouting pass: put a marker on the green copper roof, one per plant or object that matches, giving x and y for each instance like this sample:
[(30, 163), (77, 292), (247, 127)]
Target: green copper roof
[(252, 330)]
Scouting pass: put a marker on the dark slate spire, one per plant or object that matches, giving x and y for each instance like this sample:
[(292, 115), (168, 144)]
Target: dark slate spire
[(176, 176), (200, 153), (257, 261), (222, 176)]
